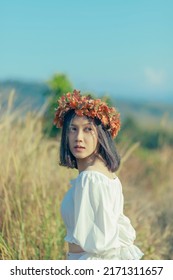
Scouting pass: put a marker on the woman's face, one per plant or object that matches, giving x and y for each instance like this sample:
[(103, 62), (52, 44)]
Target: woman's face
[(83, 137)]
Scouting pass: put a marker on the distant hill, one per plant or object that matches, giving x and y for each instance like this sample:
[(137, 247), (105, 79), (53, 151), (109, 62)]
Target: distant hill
[(146, 113), (30, 93), (33, 94)]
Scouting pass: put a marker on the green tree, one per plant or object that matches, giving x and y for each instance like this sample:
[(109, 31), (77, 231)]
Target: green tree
[(58, 85)]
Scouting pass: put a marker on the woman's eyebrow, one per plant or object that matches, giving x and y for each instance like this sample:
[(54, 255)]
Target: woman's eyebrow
[(89, 123)]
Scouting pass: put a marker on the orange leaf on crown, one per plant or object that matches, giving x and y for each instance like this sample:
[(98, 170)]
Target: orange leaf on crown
[(79, 112)]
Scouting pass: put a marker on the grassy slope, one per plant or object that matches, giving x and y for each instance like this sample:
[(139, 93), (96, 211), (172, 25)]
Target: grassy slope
[(32, 185)]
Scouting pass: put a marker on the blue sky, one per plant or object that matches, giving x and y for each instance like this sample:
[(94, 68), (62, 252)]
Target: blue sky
[(114, 46)]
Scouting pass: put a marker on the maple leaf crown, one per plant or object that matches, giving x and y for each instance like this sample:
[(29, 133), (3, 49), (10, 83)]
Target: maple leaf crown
[(86, 106)]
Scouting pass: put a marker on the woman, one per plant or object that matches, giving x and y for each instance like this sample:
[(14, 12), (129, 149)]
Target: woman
[(92, 209)]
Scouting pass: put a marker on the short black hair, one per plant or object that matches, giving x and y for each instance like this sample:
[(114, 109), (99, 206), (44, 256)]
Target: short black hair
[(106, 150)]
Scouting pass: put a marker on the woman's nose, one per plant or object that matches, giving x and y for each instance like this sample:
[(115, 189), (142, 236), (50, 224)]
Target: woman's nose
[(79, 135)]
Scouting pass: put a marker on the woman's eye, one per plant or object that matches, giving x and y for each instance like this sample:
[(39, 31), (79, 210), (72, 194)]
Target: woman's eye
[(72, 129), (88, 129)]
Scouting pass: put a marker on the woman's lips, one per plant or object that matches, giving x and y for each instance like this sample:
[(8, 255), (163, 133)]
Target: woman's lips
[(79, 148)]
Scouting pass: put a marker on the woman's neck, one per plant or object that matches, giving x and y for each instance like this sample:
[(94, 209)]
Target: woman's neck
[(90, 162)]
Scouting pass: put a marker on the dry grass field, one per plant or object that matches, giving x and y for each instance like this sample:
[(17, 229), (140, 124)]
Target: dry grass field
[(32, 185)]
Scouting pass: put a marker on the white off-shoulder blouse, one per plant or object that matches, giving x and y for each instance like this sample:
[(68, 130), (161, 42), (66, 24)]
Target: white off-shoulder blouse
[(92, 211)]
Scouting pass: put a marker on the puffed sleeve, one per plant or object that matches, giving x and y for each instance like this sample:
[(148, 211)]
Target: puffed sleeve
[(96, 229)]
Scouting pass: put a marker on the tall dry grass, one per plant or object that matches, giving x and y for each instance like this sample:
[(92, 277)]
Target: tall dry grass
[(148, 180), (32, 185), (31, 188)]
